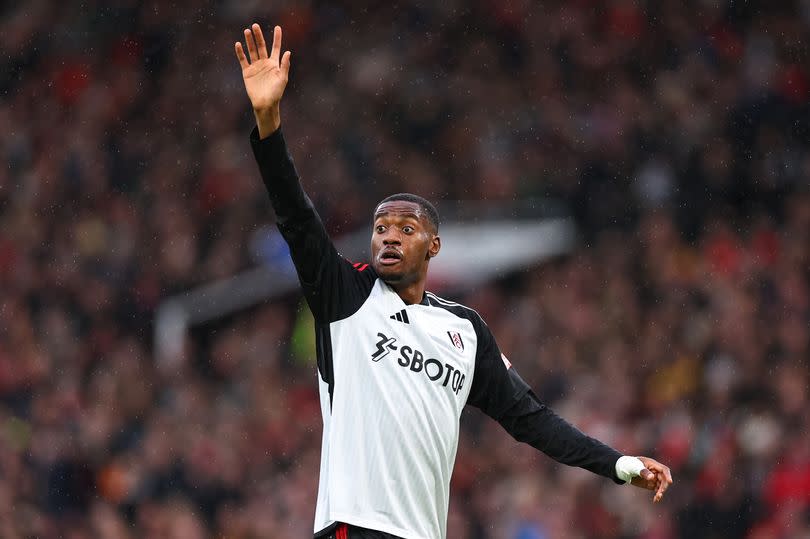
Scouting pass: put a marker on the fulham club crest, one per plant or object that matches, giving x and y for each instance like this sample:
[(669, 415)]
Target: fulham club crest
[(455, 338)]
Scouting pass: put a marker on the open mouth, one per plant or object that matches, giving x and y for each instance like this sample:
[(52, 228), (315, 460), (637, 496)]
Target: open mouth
[(390, 257)]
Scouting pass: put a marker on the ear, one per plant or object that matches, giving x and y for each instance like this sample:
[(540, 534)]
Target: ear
[(435, 246)]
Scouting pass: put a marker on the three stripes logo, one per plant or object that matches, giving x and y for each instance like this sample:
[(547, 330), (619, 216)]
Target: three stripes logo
[(401, 316)]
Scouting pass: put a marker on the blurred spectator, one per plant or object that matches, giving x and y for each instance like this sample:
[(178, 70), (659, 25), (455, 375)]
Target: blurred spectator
[(677, 132)]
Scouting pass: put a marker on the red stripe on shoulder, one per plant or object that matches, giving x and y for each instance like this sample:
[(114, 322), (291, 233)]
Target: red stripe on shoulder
[(359, 266)]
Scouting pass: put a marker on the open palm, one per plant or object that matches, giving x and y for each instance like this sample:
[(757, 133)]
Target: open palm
[(265, 77)]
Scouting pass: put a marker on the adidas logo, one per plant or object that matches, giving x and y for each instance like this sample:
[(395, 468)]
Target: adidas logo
[(401, 316)]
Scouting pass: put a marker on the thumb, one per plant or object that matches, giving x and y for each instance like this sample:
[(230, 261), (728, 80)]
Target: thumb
[(646, 474)]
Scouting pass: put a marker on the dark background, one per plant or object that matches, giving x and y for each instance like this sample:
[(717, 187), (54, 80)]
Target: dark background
[(675, 132)]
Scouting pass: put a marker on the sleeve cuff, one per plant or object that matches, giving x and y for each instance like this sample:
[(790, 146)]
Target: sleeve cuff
[(628, 467)]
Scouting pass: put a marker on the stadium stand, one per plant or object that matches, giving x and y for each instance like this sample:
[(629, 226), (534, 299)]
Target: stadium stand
[(675, 131)]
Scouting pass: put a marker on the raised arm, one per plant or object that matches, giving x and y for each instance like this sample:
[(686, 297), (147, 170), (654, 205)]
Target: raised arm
[(332, 285), (265, 77)]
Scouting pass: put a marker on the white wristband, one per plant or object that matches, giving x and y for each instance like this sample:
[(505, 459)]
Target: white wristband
[(628, 467)]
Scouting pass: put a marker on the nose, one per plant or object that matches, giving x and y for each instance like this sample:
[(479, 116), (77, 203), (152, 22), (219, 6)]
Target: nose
[(391, 237)]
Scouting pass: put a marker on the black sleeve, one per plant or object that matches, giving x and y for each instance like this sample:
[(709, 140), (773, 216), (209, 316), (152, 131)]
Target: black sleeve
[(334, 287), (500, 392)]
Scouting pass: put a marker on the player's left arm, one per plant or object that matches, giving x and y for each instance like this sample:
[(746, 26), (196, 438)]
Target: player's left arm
[(500, 392)]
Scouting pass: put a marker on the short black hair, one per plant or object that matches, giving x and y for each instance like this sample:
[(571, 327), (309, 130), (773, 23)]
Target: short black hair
[(424, 204)]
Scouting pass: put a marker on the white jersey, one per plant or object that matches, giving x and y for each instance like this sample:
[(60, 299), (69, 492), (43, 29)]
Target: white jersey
[(401, 377), (394, 379)]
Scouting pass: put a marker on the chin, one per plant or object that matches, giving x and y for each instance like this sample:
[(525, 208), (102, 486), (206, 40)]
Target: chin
[(390, 275)]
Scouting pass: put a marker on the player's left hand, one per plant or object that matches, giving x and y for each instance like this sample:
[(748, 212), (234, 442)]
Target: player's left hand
[(655, 477)]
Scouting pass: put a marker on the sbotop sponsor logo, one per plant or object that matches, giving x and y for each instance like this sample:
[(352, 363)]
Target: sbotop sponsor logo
[(442, 374)]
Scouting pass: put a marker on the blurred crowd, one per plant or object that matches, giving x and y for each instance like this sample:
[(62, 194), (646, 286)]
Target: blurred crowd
[(677, 133)]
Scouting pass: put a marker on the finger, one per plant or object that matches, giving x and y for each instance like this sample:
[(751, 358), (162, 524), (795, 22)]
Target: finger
[(275, 52), (646, 474), (261, 46), (659, 494), (240, 55), (665, 482), (663, 485), (657, 467), (285, 64), (663, 476), (251, 46)]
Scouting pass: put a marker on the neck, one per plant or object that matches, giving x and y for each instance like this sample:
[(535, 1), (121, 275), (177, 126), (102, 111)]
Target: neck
[(410, 288), (411, 293)]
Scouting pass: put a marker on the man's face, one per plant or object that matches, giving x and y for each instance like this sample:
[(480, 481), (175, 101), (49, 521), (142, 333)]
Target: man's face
[(402, 242)]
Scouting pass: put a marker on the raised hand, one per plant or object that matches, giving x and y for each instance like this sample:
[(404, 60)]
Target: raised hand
[(265, 77), (655, 477)]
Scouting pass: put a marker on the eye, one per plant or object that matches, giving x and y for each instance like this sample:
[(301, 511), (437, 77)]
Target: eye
[(380, 229), (408, 229)]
